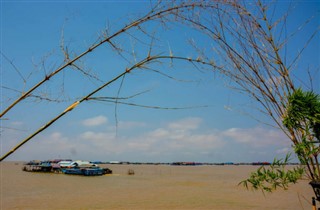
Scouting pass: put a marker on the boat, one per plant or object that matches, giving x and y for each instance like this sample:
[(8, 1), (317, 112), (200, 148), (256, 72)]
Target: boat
[(86, 171), (37, 166)]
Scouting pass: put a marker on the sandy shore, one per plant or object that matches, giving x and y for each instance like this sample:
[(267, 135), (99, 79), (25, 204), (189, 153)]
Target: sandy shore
[(152, 187)]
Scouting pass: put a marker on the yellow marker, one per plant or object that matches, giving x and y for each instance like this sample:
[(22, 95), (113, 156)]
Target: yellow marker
[(72, 106)]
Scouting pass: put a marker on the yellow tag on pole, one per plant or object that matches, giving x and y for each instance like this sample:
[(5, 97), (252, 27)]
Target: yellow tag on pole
[(72, 106)]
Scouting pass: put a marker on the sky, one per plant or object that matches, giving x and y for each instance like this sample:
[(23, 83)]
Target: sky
[(214, 124)]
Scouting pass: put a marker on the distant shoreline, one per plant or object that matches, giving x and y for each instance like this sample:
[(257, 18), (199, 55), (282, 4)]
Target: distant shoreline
[(182, 163)]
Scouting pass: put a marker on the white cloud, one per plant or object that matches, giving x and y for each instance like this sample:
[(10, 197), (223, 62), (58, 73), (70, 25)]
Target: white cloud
[(96, 136), (50, 146), (95, 121), (186, 124), (176, 137), (185, 138), (158, 133), (257, 136), (182, 139), (182, 135), (130, 124)]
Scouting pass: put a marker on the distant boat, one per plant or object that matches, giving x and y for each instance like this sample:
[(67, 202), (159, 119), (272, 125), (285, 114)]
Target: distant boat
[(70, 164), (114, 162), (64, 163)]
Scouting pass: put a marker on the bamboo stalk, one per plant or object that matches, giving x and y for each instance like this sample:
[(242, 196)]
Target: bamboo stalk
[(153, 14), (68, 109), (87, 97)]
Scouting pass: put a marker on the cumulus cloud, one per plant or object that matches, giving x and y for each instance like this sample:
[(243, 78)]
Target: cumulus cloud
[(185, 124), (53, 145), (130, 124), (181, 136), (256, 137), (183, 139), (158, 133), (95, 121)]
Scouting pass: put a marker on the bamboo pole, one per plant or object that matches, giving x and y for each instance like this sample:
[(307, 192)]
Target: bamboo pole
[(68, 109), (75, 104), (151, 15)]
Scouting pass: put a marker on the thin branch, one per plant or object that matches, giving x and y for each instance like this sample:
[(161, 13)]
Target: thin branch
[(14, 67), (116, 102), (149, 106)]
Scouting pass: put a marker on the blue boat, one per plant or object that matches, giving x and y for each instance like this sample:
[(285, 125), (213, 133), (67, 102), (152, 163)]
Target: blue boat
[(93, 172), (86, 171)]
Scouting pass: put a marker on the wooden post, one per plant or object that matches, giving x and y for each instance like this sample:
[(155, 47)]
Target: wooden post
[(314, 204)]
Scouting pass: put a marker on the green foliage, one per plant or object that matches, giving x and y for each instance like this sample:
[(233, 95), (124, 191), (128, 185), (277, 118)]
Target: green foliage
[(302, 119), (303, 112), (269, 178)]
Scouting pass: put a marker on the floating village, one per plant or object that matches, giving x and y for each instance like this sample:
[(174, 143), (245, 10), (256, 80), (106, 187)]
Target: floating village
[(70, 167)]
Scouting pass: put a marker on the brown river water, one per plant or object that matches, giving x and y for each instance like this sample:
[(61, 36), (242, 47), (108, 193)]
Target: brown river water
[(151, 187)]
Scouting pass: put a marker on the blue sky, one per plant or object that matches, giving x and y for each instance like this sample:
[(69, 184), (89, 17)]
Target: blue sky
[(223, 131)]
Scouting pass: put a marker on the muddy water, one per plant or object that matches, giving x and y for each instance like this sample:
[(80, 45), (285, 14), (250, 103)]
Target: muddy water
[(152, 187)]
